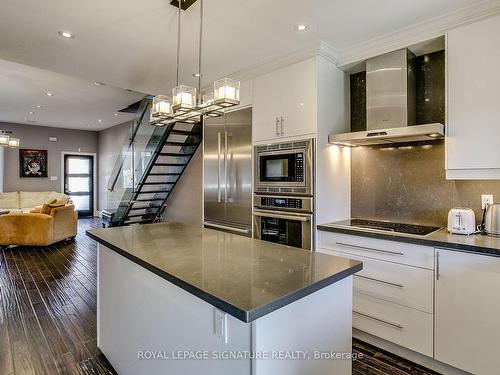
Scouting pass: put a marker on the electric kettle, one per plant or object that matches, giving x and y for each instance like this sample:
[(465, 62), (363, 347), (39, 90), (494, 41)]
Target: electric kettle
[(492, 219)]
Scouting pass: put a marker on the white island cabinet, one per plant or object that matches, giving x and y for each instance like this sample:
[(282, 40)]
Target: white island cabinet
[(180, 299), (473, 128), (467, 315)]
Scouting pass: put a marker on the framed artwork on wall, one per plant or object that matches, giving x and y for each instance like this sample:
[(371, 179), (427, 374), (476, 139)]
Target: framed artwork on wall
[(32, 163)]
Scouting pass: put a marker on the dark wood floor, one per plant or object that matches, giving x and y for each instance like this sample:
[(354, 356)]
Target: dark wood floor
[(48, 314)]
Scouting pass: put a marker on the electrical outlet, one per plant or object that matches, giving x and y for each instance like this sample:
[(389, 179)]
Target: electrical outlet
[(220, 325), (486, 199)]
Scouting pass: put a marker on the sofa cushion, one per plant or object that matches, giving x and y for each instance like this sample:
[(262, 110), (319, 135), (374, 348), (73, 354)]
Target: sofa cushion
[(9, 200), (33, 198), (59, 196)]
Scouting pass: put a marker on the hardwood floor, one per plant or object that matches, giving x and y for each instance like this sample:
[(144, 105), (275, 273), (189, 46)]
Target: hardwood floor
[(48, 314)]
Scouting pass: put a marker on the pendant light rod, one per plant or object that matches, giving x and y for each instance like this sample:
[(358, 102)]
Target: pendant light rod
[(200, 49), (178, 40)]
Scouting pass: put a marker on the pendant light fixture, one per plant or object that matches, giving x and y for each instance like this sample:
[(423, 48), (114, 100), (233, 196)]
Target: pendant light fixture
[(187, 104), (7, 141)]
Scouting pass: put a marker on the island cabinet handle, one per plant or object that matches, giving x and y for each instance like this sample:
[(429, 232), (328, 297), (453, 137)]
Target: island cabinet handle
[(369, 249), (380, 281), (437, 266), (391, 324)]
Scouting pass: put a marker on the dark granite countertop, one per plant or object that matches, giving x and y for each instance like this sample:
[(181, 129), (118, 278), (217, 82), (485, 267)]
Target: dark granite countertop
[(244, 277), (477, 243)]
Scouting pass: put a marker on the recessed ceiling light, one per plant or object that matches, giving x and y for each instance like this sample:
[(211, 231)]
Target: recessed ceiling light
[(49, 94), (116, 114), (39, 106), (31, 112), (66, 34), (197, 75), (99, 120), (301, 27), (99, 84)]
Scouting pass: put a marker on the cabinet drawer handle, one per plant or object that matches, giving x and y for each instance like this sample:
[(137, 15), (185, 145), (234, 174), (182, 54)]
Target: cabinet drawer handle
[(380, 281), (369, 249), (394, 325)]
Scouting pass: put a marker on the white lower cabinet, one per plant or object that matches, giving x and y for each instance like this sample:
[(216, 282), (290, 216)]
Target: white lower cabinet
[(393, 294), (399, 324), (467, 315)]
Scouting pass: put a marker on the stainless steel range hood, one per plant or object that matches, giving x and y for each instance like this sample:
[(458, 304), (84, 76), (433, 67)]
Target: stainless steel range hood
[(390, 104)]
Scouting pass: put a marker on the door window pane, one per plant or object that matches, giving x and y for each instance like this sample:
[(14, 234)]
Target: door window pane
[(78, 165), (78, 184), (81, 202)]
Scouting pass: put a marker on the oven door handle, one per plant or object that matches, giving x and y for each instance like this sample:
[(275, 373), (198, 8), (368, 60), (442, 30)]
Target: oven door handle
[(280, 215)]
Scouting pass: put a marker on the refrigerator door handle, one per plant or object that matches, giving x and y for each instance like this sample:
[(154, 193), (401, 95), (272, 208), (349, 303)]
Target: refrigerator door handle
[(229, 179), (225, 166), (219, 144)]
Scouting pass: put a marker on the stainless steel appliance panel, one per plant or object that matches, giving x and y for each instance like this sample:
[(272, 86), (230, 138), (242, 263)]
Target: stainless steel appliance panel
[(238, 184), (286, 228), (214, 171), (285, 168), (228, 171)]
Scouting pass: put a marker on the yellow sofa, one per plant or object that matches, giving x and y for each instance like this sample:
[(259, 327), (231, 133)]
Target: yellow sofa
[(37, 229)]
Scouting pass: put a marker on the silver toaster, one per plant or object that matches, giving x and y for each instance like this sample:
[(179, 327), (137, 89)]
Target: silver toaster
[(461, 221)]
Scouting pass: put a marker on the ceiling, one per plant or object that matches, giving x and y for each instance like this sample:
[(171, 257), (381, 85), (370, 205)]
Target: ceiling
[(75, 103), (132, 44)]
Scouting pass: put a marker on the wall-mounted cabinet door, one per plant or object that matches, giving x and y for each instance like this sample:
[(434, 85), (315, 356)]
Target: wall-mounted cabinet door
[(284, 102), (473, 129), (467, 311)]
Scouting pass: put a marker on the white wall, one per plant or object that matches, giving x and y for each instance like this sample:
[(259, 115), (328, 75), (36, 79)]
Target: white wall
[(333, 188)]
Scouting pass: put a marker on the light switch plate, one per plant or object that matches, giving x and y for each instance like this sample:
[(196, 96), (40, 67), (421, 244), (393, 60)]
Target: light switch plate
[(53, 178), (486, 199)]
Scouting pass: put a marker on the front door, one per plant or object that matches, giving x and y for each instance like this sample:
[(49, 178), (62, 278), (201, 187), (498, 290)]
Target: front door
[(79, 182)]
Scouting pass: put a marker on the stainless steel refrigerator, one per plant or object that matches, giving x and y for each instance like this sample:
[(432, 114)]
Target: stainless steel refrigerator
[(228, 172)]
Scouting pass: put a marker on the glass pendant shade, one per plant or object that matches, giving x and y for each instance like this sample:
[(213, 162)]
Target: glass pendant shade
[(14, 142), (227, 92), (162, 107), (4, 140), (184, 98)]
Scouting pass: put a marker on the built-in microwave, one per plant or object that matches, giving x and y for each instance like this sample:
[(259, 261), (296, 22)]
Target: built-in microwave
[(285, 167)]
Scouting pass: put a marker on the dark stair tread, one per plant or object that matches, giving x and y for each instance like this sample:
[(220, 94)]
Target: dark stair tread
[(172, 143), (185, 132), (158, 183), (170, 164), (153, 191), (165, 174), (149, 200), (176, 155), (144, 208)]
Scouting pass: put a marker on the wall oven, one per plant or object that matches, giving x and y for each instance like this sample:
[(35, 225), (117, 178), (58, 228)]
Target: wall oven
[(286, 220), (285, 167)]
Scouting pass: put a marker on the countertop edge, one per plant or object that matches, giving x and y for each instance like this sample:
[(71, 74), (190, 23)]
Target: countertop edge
[(413, 240), (242, 315)]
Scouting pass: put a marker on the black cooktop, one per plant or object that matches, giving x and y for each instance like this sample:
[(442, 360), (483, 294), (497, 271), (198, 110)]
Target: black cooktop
[(419, 230)]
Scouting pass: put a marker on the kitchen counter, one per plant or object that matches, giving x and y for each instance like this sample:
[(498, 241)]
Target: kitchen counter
[(177, 288), (477, 243), (244, 277)]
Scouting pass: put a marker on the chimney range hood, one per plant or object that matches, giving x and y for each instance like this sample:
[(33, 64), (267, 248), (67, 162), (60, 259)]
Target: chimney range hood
[(390, 105)]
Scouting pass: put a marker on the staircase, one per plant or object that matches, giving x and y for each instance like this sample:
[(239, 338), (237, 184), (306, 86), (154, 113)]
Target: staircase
[(147, 170)]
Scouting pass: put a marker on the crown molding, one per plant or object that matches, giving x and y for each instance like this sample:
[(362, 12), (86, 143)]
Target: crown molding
[(320, 48), (417, 33)]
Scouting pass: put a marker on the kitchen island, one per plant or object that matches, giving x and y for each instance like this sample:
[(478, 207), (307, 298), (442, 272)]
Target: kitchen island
[(179, 299)]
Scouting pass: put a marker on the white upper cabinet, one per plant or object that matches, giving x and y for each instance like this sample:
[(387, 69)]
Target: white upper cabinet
[(284, 102), (467, 311), (473, 129)]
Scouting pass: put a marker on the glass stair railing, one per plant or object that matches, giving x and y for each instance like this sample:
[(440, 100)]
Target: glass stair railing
[(146, 171)]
